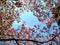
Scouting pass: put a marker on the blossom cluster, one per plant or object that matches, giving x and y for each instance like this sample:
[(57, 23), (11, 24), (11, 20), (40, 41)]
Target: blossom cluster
[(44, 10)]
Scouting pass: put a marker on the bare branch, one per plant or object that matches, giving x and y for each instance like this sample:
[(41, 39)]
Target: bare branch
[(29, 40)]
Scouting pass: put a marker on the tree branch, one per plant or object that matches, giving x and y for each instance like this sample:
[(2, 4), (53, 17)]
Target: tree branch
[(17, 42), (29, 40)]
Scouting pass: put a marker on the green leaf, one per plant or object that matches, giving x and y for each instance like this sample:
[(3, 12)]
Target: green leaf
[(15, 0), (58, 22), (56, 16), (9, 18), (58, 8)]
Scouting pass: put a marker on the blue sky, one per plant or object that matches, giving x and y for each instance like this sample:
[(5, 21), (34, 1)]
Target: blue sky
[(31, 20)]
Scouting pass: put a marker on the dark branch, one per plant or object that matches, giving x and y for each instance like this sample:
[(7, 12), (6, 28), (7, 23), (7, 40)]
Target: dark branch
[(52, 38), (29, 40), (17, 42)]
